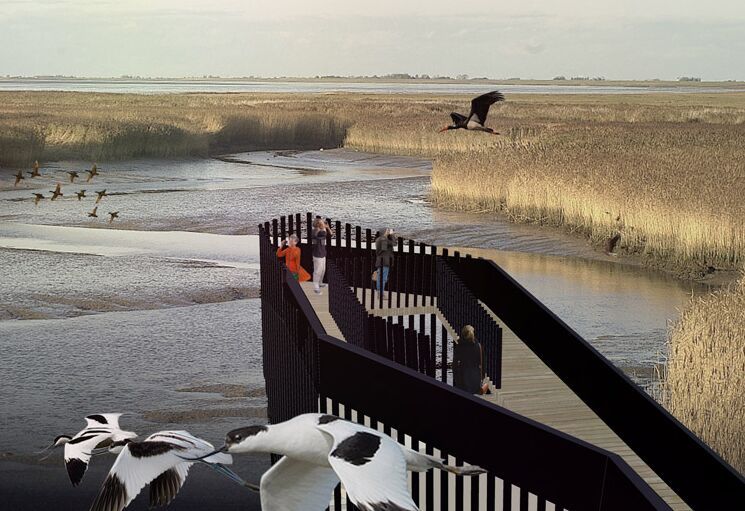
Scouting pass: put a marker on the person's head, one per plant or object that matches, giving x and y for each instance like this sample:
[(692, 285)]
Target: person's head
[(468, 334), (318, 223), (292, 240)]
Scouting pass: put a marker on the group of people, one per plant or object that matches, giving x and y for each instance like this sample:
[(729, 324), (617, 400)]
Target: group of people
[(468, 372), (291, 252)]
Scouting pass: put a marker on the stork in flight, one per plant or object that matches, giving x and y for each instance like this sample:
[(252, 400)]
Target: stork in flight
[(163, 461), (477, 117), (321, 450)]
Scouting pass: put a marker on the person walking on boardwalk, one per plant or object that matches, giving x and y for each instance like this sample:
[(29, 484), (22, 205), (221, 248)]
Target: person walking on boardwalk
[(320, 231), (291, 252), (384, 257), (467, 362)]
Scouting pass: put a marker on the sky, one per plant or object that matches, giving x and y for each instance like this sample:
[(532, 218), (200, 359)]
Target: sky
[(629, 39)]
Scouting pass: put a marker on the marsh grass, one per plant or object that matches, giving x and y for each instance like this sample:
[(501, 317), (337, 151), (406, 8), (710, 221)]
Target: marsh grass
[(672, 191), (703, 382), (669, 167), (55, 126)]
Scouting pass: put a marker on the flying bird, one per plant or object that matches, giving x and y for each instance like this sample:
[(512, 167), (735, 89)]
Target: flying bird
[(163, 460), (93, 213), (477, 117), (113, 215), (37, 198), (320, 450), (92, 172), (80, 194), (57, 192), (35, 172), (101, 195), (101, 434), (19, 178), (73, 175)]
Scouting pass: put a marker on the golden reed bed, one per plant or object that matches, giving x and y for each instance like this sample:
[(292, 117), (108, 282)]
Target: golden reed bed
[(703, 383), (667, 171)]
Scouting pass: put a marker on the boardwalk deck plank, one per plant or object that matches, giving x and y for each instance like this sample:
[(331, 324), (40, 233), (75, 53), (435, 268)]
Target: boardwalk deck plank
[(531, 389)]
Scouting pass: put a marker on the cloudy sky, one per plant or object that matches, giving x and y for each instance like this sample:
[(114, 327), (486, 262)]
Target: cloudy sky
[(632, 39)]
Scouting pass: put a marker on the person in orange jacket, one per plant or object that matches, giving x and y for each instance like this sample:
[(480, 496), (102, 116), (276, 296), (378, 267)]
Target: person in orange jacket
[(291, 252)]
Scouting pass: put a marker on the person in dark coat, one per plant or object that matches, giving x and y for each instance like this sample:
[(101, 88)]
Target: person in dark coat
[(467, 362), (320, 231), (384, 257)]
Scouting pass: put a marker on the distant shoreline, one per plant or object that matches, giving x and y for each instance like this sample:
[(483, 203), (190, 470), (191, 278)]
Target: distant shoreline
[(735, 84)]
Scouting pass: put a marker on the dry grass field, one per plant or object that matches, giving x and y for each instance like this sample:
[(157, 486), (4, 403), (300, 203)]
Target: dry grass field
[(703, 383)]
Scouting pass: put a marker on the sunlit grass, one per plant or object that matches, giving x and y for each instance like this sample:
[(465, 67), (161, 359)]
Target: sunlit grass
[(703, 383)]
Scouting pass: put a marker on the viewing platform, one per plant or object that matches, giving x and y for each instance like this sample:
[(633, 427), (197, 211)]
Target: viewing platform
[(562, 427)]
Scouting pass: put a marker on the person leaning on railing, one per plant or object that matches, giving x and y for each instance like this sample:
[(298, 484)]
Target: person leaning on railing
[(468, 362), (291, 252)]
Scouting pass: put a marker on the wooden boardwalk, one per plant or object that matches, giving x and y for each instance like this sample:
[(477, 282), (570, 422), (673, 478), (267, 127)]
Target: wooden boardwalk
[(531, 389)]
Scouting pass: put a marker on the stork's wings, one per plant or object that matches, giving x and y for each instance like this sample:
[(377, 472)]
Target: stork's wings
[(457, 118), (370, 465), (295, 484), (480, 106)]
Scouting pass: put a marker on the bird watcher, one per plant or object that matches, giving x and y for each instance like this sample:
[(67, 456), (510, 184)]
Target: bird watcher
[(468, 364), (320, 231), (291, 252), (384, 244)]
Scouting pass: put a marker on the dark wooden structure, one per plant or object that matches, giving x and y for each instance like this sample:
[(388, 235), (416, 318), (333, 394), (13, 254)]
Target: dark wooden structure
[(385, 376)]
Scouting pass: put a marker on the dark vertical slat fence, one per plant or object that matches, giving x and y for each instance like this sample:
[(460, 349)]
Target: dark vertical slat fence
[(302, 363)]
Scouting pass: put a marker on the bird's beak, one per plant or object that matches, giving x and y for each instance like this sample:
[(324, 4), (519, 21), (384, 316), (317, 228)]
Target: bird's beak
[(222, 469), (224, 448), (443, 129)]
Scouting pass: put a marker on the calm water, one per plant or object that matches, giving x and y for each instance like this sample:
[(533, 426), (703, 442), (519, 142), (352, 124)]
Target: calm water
[(175, 86), (136, 315)]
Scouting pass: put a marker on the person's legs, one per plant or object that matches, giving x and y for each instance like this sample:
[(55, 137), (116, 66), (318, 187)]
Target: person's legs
[(322, 272), (385, 271), (319, 267)]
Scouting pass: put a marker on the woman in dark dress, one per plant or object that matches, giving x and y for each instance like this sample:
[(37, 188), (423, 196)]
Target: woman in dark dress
[(467, 362)]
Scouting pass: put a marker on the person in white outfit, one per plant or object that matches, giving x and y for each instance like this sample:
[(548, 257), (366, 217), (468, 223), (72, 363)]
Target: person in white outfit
[(320, 230)]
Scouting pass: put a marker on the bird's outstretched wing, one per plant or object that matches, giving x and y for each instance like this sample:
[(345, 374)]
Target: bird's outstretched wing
[(457, 118), (78, 452), (103, 419), (295, 484), (139, 463), (480, 106), (165, 487), (370, 465)]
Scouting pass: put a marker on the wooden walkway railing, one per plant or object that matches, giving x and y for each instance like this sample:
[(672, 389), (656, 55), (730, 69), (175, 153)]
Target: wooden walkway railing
[(306, 370)]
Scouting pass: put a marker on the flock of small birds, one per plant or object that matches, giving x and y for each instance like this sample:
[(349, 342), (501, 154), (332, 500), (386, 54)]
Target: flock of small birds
[(57, 192)]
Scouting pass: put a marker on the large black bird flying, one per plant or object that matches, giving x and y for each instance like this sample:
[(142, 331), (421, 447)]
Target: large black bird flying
[(479, 110)]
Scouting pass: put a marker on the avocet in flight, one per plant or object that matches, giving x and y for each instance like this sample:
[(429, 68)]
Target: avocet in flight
[(162, 460), (102, 433), (321, 450)]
